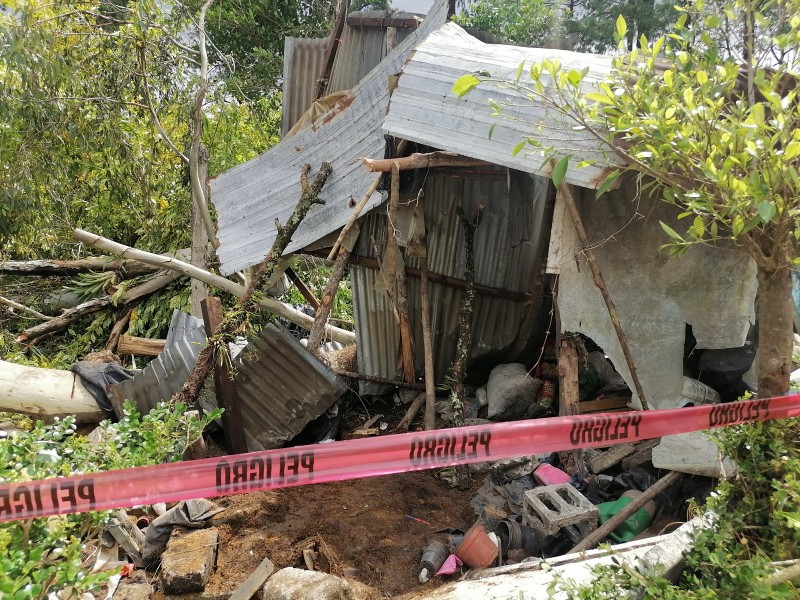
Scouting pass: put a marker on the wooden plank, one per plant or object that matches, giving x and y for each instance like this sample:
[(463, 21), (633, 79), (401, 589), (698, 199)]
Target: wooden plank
[(604, 404), (139, 346), (224, 384), (611, 457), (257, 578), (304, 290), (568, 393)]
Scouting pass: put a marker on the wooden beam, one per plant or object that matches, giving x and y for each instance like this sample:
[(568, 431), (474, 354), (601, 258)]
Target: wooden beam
[(422, 161), (304, 290), (224, 383), (139, 346), (568, 392), (383, 18)]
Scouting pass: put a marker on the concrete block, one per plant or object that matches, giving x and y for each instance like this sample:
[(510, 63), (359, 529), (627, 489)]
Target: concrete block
[(299, 584), (549, 508), (188, 561), (693, 453), (133, 591)]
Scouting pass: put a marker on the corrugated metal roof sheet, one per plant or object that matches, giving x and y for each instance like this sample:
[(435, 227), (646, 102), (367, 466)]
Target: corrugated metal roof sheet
[(281, 387), (302, 66), (250, 197), (361, 49), (423, 108), (166, 374), (508, 249)]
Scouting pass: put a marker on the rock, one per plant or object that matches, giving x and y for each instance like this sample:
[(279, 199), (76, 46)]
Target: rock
[(188, 561), (693, 453), (133, 591), (510, 391), (299, 584)]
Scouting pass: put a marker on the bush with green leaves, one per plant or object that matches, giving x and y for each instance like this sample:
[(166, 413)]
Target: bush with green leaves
[(46, 555)]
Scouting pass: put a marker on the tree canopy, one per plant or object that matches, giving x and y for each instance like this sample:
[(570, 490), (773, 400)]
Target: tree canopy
[(521, 22)]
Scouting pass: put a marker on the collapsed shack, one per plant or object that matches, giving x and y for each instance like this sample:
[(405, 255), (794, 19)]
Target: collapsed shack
[(542, 338)]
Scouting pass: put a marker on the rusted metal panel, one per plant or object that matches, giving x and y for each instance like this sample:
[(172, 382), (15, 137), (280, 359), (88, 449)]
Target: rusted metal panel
[(281, 387), (302, 65), (250, 197), (166, 374), (507, 250), (424, 109)]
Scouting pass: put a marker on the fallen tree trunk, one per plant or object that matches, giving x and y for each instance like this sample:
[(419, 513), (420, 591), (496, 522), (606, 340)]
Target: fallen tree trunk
[(279, 308), (140, 346), (46, 393), (67, 268)]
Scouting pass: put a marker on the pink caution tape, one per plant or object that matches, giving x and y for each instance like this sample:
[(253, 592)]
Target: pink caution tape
[(353, 459)]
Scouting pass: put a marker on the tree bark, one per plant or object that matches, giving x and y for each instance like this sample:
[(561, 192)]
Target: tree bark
[(422, 161), (427, 348), (774, 330), (140, 346), (199, 290), (317, 333), (235, 318), (46, 393), (401, 286), (68, 268), (412, 411)]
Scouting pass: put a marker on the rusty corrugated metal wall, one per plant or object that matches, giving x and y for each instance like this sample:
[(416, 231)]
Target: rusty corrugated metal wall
[(509, 250), (302, 67)]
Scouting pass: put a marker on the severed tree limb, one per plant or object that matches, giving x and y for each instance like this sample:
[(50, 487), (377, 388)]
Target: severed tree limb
[(304, 290), (236, 318), (235, 289), (22, 308), (465, 311), (412, 411), (427, 346), (401, 286), (63, 320), (200, 245), (323, 311), (597, 276), (66, 268), (422, 161), (116, 331), (360, 206), (375, 379)]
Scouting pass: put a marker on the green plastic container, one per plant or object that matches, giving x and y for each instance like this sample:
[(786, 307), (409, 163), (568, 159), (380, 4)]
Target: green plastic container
[(633, 525)]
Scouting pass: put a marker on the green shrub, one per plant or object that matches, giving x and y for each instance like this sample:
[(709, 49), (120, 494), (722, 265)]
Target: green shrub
[(46, 555)]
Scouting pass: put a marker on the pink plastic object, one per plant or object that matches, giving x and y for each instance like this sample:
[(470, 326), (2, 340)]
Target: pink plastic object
[(546, 474), (450, 565)]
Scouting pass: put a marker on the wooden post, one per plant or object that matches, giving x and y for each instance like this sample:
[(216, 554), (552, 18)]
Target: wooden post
[(568, 393), (323, 309), (224, 384), (427, 347), (597, 277)]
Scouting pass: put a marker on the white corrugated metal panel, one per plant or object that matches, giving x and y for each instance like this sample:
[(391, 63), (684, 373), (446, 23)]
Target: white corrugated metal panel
[(423, 108), (302, 66), (166, 374), (250, 197), (507, 252)]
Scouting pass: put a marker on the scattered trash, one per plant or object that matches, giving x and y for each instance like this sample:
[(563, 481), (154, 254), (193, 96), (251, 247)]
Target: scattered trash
[(433, 557), (633, 525), (477, 550), (450, 565)]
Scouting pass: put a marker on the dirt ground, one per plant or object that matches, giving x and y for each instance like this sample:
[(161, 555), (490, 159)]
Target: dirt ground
[(359, 529)]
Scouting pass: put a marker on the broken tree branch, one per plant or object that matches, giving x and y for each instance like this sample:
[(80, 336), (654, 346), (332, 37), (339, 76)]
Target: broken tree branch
[(237, 317), (360, 206), (422, 161), (304, 290), (323, 310), (375, 379), (116, 331), (401, 287), (427, 348), (412, 411), (22, 308), (67, 268), (597, 276), (63, 320), (233, 288), (139, 346), (602, 532)]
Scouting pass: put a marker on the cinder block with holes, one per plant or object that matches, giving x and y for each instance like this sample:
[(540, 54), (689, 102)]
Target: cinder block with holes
[(551, 507)]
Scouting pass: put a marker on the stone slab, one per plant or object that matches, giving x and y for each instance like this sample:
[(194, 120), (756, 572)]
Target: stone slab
[(188, 561), (694, 453), (299, 584)]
